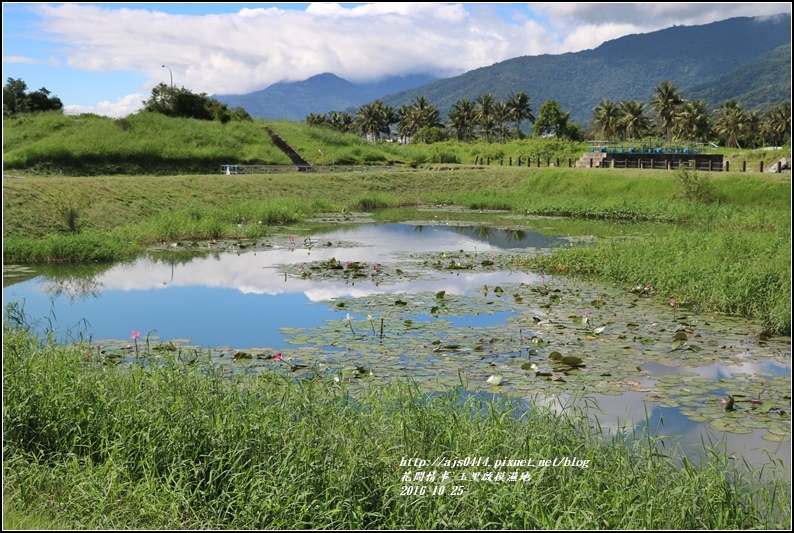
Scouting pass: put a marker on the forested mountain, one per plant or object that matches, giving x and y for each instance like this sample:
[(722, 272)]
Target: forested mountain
[(760, 84), (630, 67), (744, 59), (318, 94)]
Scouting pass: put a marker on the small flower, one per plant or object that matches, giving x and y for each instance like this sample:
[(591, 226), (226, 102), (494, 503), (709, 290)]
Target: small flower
[(135, 334), (278, 356), (672, 303)]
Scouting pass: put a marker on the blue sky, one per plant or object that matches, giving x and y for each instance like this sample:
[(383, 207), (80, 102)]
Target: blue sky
[(106, 57)]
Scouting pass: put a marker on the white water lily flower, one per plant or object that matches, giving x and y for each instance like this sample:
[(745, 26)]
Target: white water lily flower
[(496, 379)]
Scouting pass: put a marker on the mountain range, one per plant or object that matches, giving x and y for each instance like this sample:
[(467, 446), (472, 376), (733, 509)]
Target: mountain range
[(747, 59)]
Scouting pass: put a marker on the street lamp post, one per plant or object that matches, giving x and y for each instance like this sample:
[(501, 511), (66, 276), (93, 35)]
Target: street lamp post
[(172, 75)]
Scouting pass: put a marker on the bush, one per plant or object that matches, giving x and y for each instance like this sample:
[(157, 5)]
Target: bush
[(694, 186)]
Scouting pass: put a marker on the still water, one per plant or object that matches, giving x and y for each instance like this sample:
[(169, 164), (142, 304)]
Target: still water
[(449, 307)]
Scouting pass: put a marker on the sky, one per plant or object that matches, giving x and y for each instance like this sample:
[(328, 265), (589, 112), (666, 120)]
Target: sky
[(105, 58)]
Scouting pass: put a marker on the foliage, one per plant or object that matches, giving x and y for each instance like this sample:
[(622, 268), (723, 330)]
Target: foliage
[(171, 445), (184, 103), (694, 186), (16, 100)]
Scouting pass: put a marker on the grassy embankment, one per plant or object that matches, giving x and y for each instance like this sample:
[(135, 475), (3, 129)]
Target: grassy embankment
[(90, 446)]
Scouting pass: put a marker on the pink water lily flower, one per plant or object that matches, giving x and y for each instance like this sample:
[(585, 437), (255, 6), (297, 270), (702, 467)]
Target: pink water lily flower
[(278, 356), (672, 303), (135, 334)]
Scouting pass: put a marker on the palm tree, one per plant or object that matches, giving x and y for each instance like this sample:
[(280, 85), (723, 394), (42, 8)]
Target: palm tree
[(692, 122), (520, 109), (316, 119), (502, 114), (665, 103), (752, 129), (633, 121), (341, 121), (373, 120), (605, 117), (484, 115), (730, 123), (461, 118), (777, 123)]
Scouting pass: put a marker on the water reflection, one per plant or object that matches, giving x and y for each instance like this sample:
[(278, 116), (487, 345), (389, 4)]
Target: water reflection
[(243, 299)]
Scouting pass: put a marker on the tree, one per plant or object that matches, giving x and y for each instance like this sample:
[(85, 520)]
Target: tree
[(17, 100), (692, 122), (777, 124), (374, 119), (665, 102), (605, 117), (520, 109), (185, 103), (633, 121), (484, 115), (502, 115), (553, 121), (730, 123), (462, 119)]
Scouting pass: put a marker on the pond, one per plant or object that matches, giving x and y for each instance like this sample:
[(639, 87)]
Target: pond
[(436, 303)]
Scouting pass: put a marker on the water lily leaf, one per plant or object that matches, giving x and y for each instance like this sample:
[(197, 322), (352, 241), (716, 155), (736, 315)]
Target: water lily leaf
[(440, 295), (680, 336), (557, 356), (571, 360), (677, 344), (529, 366), (776, 438)]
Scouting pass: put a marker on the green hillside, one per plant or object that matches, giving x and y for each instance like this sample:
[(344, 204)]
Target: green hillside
[(628, 68), (144, 143), (759, 85)]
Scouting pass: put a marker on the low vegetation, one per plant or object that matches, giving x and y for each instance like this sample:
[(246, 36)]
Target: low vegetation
[(177, 446)]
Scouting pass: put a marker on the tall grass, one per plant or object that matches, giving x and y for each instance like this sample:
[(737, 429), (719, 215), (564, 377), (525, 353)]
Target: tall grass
[(174, 446), (725, 271)]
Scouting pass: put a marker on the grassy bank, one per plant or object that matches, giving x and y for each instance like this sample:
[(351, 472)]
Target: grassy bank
[(95, 446), (145, 143)]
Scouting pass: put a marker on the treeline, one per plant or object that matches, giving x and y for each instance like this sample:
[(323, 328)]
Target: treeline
[(165, 100), (666, 115), (184, 103), (17, 99)]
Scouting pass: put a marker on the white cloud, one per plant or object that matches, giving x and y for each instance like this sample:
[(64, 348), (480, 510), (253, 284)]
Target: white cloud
[(241, 52), (120, 108), (20, 60)]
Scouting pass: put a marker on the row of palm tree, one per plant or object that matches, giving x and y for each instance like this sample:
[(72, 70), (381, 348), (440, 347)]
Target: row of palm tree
[(669, 115), (486, 118)]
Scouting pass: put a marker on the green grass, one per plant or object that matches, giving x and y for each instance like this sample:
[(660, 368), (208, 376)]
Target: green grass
[(94, 446), (145, 143)]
